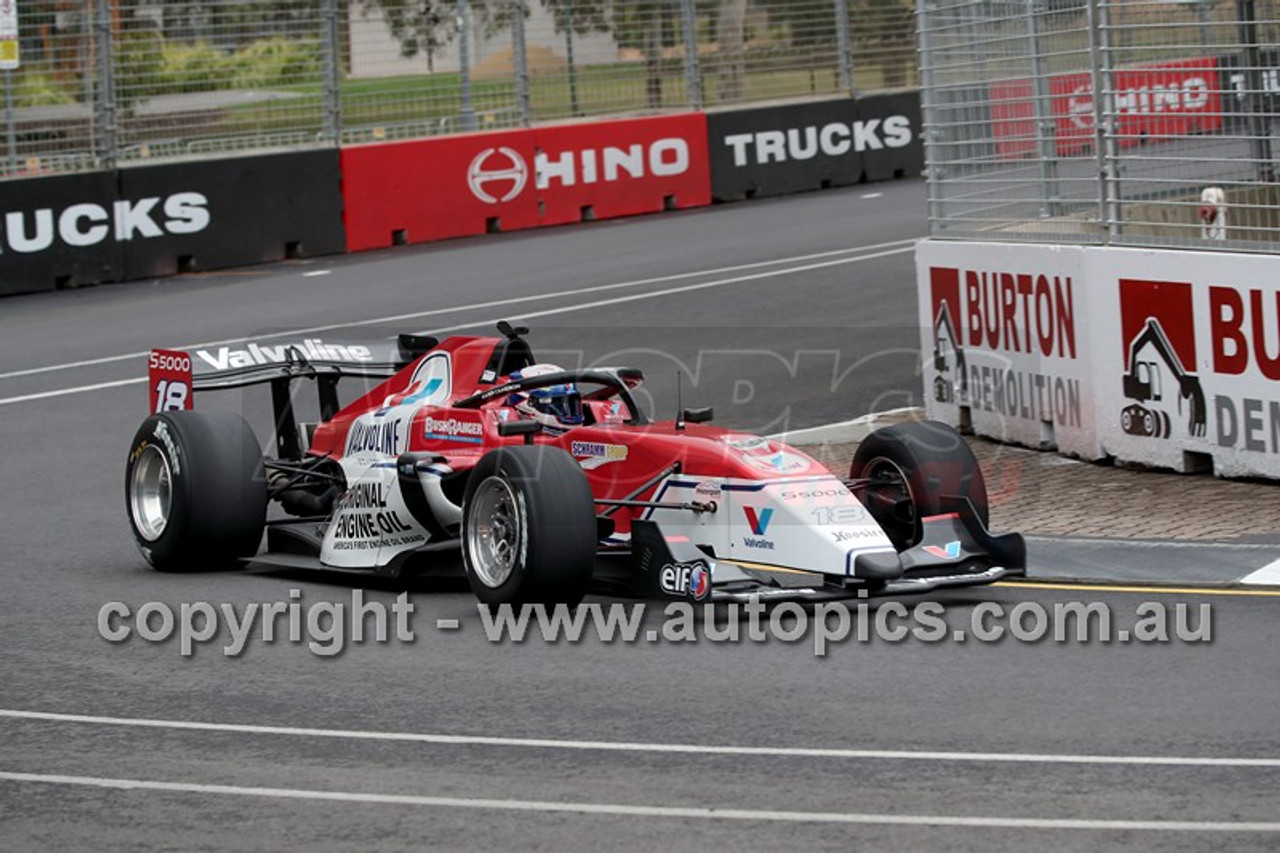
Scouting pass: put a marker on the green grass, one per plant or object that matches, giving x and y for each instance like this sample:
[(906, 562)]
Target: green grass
[(435, 99)]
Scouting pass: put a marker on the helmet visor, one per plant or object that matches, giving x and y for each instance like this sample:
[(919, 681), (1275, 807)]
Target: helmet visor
[(562, 401)]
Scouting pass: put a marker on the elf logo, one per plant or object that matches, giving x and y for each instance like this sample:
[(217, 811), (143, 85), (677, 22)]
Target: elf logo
[(87, 224), (758, 520), (691, 579)]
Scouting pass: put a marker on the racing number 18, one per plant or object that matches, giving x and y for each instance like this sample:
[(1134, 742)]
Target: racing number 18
[(171, 395)]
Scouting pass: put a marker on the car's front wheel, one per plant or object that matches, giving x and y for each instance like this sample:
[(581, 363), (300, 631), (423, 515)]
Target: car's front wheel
[(908, 468), (528, 527), (195, 490)]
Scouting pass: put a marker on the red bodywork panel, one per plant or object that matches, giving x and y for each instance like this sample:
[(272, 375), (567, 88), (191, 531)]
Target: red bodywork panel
[(618, 458)]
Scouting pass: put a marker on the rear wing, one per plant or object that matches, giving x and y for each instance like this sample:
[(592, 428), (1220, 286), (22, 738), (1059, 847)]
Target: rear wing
[(174, 376)]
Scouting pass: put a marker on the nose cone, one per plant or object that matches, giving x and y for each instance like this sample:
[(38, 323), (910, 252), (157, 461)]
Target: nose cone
[(813, 525)]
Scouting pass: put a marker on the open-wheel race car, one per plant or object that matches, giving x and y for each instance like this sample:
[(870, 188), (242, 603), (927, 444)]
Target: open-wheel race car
[(549, 483)]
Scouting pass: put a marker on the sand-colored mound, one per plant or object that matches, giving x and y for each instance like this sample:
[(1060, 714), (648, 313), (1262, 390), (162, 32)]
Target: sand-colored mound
[(501, 65)]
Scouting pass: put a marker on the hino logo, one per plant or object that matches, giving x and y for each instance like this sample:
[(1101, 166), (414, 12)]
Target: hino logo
[(89, 224), (497, 164), (660, 159), (1185, 96), (805, 143)]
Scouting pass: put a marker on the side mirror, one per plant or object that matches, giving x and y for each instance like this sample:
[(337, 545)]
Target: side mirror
[(416, 345), (697, 416), (630, 376), (528, 429), (511, 332)]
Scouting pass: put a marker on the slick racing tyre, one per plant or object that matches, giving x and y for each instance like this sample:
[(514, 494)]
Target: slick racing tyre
[(195, 490), (911, 466), (529, 531)]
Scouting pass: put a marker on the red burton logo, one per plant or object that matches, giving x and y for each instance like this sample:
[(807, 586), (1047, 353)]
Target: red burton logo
[(1007, 313), (1161, 358)]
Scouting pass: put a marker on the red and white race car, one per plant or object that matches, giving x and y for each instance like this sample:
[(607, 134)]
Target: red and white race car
[(550, 483)]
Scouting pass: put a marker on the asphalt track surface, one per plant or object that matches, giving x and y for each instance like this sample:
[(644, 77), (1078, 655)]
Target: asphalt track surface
[(452, 741)]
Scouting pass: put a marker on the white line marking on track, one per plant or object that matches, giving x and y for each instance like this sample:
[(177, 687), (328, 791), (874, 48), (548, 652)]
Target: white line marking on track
[(565, 309), (687, 288), (398, 318), (622, 810), (1268, 574), (1153, 543), (315, 273), (626, 746), (79, 389)]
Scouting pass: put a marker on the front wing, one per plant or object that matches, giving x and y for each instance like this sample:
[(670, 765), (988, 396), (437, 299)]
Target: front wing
[(955, 550)]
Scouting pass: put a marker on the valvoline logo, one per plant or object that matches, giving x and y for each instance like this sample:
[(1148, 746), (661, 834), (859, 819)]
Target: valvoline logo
[(758, 519)]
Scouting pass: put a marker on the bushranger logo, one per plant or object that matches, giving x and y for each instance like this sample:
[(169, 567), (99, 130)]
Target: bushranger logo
[(452, 429)]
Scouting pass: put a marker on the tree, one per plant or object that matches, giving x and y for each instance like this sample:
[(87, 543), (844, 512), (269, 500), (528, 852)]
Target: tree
[(731, 24), (884, 34), (421, 26), (426, 25)]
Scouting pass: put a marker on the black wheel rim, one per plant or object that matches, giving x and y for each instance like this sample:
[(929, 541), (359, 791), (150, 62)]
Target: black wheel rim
[(889, 499)]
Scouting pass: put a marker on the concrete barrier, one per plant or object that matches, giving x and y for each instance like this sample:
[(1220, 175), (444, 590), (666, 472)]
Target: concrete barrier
[(1161, 357)]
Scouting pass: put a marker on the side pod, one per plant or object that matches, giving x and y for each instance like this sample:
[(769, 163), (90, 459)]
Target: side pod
[(668, 567)]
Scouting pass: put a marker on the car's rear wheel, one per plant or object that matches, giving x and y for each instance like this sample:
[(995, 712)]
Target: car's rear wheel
[(195, 490), (909, 469), (528, 527)]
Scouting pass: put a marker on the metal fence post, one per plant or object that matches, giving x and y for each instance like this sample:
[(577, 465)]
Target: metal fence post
[(1259, 125), (692, 73), (331, 59), (1104, 111), (104, 104), (934, 172), (467, 115), (571, 65), (1046, 147), (11, 134), (844, 46), (523, 108)]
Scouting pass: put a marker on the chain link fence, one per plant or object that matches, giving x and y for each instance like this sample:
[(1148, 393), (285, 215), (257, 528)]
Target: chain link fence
[(112, 82), (1118, 122)]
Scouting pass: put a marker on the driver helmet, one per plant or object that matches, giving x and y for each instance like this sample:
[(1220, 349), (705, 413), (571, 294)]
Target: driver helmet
[(555, 407)]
